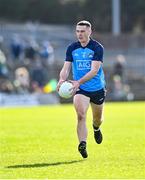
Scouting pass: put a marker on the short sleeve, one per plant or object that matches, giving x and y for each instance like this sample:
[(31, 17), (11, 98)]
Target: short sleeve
[(69, 54), (98, 53)]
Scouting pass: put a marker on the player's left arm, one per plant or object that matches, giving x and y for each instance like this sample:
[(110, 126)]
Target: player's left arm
[(94, 69)]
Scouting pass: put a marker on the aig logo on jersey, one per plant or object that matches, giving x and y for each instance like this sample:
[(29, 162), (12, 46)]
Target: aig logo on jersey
[(83, 64)]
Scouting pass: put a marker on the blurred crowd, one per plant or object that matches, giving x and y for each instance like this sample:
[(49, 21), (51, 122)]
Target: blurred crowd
[(24, 64), (120, 88)]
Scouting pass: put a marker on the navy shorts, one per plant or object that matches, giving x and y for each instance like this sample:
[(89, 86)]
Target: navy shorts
[(96, 97)]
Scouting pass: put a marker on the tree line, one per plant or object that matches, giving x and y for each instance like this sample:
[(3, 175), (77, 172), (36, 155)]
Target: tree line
[(99, 12)]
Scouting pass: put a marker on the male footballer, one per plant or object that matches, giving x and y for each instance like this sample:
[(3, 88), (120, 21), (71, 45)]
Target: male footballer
[(86, 58)]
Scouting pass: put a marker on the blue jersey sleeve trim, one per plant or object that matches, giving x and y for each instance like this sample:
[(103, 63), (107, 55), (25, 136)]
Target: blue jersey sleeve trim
[(69, 54), (98, 53)]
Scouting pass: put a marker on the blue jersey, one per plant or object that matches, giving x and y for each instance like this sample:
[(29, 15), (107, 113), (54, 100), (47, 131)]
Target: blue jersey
[(81, 58)]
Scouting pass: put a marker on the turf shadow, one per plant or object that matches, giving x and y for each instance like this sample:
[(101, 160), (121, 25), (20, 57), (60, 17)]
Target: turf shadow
[(44, 164)]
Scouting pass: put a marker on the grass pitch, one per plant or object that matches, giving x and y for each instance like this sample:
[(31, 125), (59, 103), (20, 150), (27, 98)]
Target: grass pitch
[(41, 142)]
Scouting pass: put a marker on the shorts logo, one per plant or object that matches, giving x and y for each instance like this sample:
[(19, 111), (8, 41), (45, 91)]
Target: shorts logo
[(101, 99), (83, 64)]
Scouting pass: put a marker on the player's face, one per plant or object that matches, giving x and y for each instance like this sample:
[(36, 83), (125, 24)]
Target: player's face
[(83, 33)]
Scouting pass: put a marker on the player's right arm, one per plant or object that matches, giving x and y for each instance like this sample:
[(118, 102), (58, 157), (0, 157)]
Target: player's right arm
[(64, 73)]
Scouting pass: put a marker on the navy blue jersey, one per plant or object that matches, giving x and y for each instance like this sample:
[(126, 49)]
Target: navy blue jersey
[(81, 58)]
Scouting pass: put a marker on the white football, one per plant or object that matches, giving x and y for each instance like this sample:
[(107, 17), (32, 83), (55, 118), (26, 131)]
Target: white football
[(65, 90)]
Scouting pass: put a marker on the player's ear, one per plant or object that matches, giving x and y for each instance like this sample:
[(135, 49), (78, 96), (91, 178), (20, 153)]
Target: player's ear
[(90, 31)]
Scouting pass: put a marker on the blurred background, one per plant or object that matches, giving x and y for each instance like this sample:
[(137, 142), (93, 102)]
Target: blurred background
[(34, 35)]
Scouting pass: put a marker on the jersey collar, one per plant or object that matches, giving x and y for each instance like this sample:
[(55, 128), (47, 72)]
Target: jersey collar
[(86, 45)]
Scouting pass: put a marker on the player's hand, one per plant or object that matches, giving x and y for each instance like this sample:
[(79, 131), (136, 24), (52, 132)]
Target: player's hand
[(59, 84), (75, 87)]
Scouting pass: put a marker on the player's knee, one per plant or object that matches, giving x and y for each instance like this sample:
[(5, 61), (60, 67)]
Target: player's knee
[(81, 116), (98, 119)]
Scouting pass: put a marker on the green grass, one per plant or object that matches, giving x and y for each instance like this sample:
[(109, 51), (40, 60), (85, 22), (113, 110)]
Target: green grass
[(41, 142)]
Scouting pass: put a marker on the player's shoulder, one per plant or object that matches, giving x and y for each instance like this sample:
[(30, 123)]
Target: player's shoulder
[(73, 46), (95, 44)]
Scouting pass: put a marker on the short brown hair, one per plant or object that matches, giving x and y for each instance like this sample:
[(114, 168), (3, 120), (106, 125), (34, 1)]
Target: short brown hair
[(84, 23)]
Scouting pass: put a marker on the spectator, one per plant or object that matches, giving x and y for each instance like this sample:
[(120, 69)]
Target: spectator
[(36, 89), (31, 49), (22, 81), (121, 91), (3, 66), (16, 47), (39, 73), (6, 86), (47, 53), (119, 67), (118, 91)]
